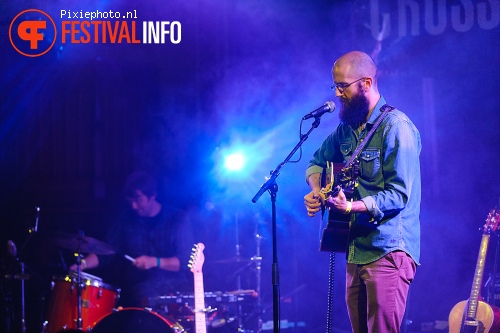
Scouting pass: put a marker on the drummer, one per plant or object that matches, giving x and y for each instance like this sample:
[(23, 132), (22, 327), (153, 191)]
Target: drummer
[(152, 245)]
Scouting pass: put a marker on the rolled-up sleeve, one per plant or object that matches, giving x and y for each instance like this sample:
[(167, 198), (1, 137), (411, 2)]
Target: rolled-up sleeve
[(401, 165), (312, 170), (372, 208)]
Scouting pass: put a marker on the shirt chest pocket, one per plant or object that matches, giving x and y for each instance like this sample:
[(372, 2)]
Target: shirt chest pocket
[(370, 163), (346, 149)]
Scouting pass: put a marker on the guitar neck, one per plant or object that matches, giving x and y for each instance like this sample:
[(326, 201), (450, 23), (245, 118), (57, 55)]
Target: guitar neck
[(199, 304), (478, 278)]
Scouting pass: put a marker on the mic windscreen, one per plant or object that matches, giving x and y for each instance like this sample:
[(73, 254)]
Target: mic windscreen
[(331, 106)]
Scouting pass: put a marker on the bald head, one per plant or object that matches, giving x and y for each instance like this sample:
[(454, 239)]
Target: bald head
[(355, 65)]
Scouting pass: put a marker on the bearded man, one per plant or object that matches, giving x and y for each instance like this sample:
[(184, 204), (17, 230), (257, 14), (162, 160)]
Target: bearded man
[(384, 236)]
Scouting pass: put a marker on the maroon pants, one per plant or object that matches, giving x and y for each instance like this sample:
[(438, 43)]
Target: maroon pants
[(376, 293)]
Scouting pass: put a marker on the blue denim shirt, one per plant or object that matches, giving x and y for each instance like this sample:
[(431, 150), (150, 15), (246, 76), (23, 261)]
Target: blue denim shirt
[(389, 185)]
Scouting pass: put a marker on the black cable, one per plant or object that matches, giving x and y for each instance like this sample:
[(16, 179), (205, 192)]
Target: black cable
[(331, 280)]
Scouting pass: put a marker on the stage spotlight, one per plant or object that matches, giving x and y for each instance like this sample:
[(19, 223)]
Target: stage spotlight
[(240, 162), (234, 162)]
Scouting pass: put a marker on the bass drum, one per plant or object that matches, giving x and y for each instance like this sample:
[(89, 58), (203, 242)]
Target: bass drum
[(134, 320)]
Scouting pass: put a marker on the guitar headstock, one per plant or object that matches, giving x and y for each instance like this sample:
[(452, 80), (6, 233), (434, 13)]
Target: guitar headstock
[(197, 258), (492, 221)]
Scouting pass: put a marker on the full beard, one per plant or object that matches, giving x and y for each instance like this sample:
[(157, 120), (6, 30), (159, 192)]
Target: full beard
[(354, 112)]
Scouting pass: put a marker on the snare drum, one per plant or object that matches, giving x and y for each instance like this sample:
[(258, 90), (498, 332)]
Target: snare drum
[(98, 300), (134, 320)]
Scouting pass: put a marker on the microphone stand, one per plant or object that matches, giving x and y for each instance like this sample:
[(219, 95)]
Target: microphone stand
[(271, 186)]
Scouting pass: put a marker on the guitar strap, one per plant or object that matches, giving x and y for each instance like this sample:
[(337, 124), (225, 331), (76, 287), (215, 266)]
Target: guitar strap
[(385, 110)]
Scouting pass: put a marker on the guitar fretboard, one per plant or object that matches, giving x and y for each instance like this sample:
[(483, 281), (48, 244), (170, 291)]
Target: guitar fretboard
[(199, 303), (478, 278)]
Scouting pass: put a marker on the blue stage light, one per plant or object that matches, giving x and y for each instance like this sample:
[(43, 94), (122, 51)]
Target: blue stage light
[(234, 162)]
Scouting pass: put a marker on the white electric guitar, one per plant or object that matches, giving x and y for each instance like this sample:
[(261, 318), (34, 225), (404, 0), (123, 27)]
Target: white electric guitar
[(195, 264)]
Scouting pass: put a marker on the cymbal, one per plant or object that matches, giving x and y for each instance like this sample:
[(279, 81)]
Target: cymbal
[(81, 244), (233, 260)]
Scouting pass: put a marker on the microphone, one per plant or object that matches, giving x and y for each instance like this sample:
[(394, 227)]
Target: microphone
[(329, 106)]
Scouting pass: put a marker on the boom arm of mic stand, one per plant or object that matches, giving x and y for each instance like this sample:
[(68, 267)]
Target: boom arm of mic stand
[(275, 173)]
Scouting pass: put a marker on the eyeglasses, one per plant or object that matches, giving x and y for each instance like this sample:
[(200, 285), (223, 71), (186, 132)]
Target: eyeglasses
[(343, 86)]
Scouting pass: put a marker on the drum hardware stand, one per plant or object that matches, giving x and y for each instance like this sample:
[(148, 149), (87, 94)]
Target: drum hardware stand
[(237, 273), (45, 325), (79, 287), (23, 276), (23, 309), (258, 265), (257, 259), (238, 277)]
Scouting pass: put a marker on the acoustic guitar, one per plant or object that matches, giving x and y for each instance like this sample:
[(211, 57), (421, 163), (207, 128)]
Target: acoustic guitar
[(475, 315), (196, 264), (335, 233)]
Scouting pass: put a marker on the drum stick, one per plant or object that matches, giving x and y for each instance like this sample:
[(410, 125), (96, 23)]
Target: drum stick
[(129, 258)]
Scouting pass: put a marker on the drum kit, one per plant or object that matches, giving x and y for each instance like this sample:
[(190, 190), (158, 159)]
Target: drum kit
[(81, 302), (226, 312)]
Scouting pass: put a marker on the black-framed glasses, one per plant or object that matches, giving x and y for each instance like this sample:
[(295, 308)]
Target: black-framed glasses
[(343, 86)]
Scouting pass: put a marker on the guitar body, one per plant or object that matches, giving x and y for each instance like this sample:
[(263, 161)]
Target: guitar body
[(487, 318), (473, 315), (335, 234)]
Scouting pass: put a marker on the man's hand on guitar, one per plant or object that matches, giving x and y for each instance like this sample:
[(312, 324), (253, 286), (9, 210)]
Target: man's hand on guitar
[(338, 202), (313, 202)]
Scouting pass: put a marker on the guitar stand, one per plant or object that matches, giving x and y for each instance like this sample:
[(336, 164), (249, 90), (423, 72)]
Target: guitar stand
[(493, 279)]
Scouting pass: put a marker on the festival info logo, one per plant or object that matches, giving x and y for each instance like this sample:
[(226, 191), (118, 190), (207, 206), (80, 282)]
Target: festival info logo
[(32, 33)]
